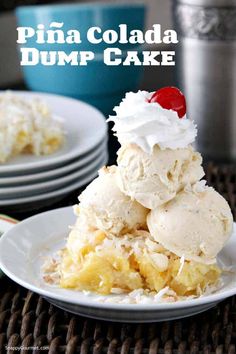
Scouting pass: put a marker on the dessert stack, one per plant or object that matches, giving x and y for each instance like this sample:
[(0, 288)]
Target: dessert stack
[(149, 223)]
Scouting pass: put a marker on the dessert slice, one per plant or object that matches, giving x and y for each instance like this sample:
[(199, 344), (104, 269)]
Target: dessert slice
[(106, 264), (149, 223), (27, 127), (102, 258)]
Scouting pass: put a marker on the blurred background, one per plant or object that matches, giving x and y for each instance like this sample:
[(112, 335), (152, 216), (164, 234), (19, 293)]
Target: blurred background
[(205, 64), (158, 11)]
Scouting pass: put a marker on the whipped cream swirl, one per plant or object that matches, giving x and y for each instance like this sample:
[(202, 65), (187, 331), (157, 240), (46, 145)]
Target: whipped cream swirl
[(148, 124)]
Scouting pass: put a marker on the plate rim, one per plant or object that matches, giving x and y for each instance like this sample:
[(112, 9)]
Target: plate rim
[(109, 306), (66, 157), (56, 193), (36, 187), (12, 181)]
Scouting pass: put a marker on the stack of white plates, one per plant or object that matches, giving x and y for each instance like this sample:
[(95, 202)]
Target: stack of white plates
[(29, 181)]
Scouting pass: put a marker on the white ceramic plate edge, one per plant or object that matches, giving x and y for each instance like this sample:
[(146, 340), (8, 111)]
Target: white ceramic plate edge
[(67, 156), (22, 179), (57, 182), (56, 193)]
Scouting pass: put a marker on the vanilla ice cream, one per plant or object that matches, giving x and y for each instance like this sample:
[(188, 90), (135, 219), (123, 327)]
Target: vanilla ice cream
[(195, 224), (148, 224), (106, 208), (154, 179)]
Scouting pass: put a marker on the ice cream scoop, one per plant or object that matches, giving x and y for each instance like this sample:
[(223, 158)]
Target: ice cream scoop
[(106, 208), (153, 179), (195, 224)]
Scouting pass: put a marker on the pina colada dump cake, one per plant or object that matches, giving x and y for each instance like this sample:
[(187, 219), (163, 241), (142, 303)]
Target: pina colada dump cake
[(27, 126), (148, 224)]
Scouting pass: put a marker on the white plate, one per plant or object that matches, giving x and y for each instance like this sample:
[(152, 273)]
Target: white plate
[(47, 186), (6, 223), (85, 127), (55, 172), (45, 199), (23, 250)]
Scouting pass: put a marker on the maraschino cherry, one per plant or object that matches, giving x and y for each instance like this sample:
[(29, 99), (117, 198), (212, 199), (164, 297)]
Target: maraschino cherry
[(170, 98)]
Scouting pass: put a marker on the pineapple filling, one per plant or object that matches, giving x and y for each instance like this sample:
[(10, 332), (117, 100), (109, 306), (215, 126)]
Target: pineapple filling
[(27, 126), (101, 263)]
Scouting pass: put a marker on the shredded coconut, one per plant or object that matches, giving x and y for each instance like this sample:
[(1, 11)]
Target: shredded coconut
[(27, 126), (182, 260)]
